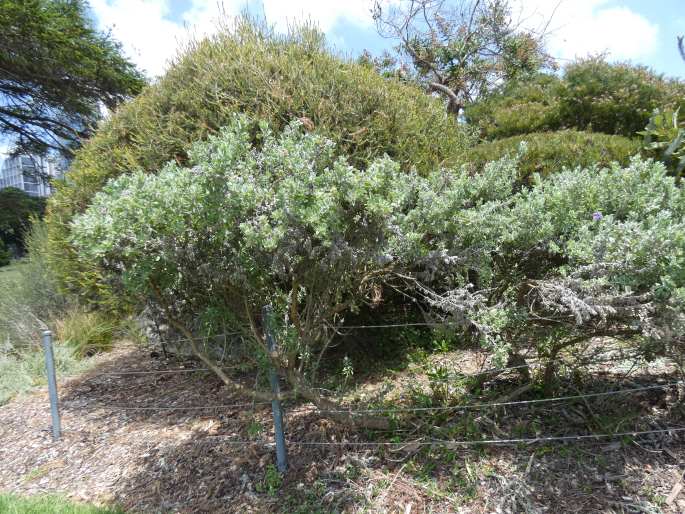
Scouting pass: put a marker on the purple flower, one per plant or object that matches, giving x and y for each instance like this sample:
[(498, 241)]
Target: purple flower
[(596, 216)]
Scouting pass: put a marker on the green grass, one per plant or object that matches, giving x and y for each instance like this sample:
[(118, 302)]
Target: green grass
[(10, 273), (22, 365), (26, 294), (12, 504), (21, 371)]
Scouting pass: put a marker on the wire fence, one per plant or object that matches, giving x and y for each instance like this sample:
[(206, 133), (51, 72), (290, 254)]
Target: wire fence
[(453, 443), (472, 442), (501, 404), (398, 409), (188, 407), (388, 411)]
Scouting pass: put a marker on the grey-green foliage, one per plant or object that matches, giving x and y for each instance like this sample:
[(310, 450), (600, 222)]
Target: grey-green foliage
[(247, 67), (286, 223), (580, 253)]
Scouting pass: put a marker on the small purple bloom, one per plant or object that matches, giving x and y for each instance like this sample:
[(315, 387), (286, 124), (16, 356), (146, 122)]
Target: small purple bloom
[(596, 216)]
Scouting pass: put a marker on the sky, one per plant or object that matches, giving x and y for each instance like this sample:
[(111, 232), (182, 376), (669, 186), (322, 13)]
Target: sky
[(640, 31)]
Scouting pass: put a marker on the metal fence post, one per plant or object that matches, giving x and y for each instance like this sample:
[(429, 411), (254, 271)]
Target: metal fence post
[(52, 384), (281, 452)]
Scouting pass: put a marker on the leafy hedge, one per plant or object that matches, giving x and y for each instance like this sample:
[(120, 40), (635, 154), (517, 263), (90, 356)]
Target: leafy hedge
[(614, 98), (549, 152), (251, 70), (592, 95), (519, 108)]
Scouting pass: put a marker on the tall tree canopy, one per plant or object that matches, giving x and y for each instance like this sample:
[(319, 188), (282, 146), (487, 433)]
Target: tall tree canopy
[(461, 49), (56, 71)]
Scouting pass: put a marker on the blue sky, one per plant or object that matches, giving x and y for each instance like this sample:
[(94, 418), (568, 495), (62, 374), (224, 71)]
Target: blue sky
[(638, 30), (669, 16)]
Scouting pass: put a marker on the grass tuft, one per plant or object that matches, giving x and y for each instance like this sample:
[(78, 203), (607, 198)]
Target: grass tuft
[(87, 333), (12, 504)]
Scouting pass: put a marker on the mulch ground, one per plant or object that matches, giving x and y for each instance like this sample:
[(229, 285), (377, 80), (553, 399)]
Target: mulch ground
[(189, 461)]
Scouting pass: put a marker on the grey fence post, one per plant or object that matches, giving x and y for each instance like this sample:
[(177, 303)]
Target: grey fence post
[(281, 452), (52, 384)]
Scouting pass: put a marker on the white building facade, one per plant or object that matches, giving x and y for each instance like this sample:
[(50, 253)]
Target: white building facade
[(31, 174)]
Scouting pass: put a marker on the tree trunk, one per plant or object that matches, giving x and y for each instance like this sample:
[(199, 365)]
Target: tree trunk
[(519, 362)]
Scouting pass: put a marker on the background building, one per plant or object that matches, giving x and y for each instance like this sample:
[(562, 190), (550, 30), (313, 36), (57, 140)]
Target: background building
[(31, 173)]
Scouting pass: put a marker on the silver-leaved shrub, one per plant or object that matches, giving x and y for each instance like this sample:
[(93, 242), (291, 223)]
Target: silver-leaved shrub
[(261, 218)]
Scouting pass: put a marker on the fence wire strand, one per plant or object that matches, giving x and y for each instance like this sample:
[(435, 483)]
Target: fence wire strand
[(466, 442), (500, 404), (471, 442), (191, 407), (414, 409), (406, 444), (154, 371)]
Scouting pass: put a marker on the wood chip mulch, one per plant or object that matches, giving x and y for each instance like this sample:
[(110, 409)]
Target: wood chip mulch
[(147, 461), (187, 461)]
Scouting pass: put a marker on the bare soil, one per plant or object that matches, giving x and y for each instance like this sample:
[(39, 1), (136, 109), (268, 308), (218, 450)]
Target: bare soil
[(215, 460)]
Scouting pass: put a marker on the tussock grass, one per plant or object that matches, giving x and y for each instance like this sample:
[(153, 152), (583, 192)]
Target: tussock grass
[(31, 302), (86, 333)]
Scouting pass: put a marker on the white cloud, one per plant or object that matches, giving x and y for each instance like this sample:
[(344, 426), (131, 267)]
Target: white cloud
[(578, 27), (203, 15), (582, 27), (325, 13), (150, 38)]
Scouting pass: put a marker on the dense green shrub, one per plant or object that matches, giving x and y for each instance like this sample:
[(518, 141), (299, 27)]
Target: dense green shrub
[(16, 210), (5, 255), (592, 95), (548, 152), (285, 223), (520, 107), (579, 254), (613, 98), (664, 139), (251, 70)]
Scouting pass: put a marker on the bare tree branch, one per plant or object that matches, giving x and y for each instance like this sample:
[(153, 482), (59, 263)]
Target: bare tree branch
[(462, 49)]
